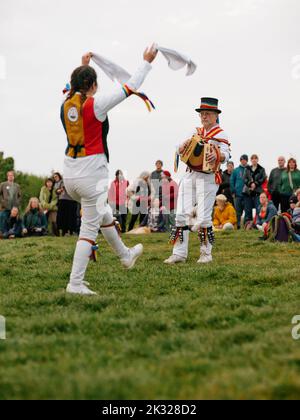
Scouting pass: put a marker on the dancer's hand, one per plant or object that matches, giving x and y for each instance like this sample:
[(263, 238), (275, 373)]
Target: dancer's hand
[(150, 54), (183, 146), (86, 59), (212, 157)]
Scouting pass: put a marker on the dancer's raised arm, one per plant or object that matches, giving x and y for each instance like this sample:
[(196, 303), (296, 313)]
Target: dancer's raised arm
[(104, 103)]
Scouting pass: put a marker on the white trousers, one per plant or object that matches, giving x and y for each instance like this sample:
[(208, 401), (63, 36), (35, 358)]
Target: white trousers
[(92, 193), (198, 189)]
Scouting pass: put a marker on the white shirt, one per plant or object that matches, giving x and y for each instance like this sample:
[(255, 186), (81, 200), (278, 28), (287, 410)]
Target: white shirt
[(87, 166)]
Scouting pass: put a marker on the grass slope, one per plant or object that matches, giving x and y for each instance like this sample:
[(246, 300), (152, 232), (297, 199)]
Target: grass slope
[(157, 332)]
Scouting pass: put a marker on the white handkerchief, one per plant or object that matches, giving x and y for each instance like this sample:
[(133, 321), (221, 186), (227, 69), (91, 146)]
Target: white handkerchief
[(112, 70), (177, 61)]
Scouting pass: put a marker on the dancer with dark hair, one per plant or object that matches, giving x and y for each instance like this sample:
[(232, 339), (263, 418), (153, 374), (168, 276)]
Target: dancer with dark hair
[(84, 117)]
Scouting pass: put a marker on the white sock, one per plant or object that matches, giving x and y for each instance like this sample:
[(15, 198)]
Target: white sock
[(112, 237), (206, 249), (80, 262), (182, 249)]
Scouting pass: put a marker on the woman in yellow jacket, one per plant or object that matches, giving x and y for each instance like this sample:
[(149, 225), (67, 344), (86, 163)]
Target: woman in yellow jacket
[(225, 217)]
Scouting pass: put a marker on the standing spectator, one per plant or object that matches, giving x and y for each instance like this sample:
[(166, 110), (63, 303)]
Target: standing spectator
[(13, 225), (237, 186), (117, 199), (48, 200), (266, 212), (35, 221), (290, 182), (224, 214), (266, 190), (275, 181), (254, 177), (66, 208), (225, 188), (139, 194), (155, 180), (169, 199), (10, 196)]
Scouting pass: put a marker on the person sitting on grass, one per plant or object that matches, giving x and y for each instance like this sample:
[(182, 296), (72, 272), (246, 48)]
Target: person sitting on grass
[(296, 218), (35, 221), (293, 203), (155, 218), (225, 217), (266, 212), (13, 225)]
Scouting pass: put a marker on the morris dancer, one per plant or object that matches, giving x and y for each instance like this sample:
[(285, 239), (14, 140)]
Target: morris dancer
[(84, 117), (200, 188)]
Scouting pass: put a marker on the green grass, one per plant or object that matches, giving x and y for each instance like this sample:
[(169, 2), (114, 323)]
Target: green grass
[(157, 332)]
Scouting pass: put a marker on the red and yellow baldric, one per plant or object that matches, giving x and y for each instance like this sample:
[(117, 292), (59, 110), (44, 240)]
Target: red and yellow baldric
[(85, 133)]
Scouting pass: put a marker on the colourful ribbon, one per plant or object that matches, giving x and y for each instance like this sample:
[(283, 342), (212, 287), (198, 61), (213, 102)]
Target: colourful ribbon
[(128, 92)]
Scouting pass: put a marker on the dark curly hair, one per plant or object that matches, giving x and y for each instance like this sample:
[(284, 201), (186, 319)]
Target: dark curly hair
[(82, 79)]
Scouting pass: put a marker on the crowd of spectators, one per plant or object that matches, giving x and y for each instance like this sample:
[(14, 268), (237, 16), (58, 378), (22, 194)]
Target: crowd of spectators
[(247, 198)]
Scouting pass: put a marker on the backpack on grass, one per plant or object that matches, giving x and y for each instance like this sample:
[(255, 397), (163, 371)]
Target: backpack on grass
[(280, 229)]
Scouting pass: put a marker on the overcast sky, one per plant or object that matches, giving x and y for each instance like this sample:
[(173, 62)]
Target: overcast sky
[(248, 56)]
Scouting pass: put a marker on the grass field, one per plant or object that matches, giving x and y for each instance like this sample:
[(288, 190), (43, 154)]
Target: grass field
[(157, 332)]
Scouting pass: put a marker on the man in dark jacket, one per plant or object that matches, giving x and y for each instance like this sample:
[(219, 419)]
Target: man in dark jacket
[(225, 188), (274, 181), (255, 176), (155, 179), (237, 185)]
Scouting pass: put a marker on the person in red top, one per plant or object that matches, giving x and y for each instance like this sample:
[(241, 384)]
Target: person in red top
[(169, 199), (266, 189), (117, 199)]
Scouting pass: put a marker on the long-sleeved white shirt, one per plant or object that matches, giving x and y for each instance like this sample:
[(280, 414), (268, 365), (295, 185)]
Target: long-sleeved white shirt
[(87, 166)]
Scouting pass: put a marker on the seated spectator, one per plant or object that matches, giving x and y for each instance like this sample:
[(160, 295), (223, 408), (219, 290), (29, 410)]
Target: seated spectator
[(298, 195), (225, 217), (35, 221), (155, 220), (293, 203), (266, 212), (48, 200), (13, 225), (296, 218)]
